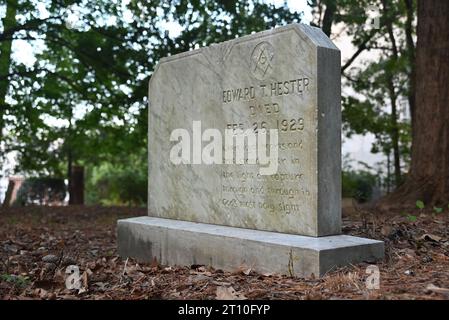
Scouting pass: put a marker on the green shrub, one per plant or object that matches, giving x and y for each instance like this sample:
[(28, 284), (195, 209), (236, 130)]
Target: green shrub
[(109, 184), (41, 190), (358, 185)]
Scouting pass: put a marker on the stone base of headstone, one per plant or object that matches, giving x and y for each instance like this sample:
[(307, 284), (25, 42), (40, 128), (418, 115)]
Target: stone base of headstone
[(183, 243)]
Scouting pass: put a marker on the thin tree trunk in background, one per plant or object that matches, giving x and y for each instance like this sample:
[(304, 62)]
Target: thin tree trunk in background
[(393, 98), (411, 56), (395, 134), (9, 21), (76, 181), (77, 193), (8, 194), (388, 172), (69, 176), (75, 174), (428, 179), (328, 18)]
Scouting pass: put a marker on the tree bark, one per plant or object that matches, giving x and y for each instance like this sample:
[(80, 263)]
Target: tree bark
[(393, 96), (77, 185), (411, 56), (75, 175), (428, 178), (395, 133), (328, 19), (9, 22), (69, 175), (388, 172), (8, 194)]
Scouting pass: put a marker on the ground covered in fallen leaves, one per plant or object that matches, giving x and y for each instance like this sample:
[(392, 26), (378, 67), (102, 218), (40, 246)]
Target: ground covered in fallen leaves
[(38, 244)]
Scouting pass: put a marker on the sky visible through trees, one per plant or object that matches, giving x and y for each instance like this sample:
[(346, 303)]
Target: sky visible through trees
[(30, 53), (25, 52)]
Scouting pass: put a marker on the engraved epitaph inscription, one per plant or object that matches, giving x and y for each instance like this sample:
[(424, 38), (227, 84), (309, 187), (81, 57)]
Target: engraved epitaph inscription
[(278, 87)]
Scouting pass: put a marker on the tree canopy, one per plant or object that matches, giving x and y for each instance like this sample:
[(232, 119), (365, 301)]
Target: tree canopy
[(84, 99)]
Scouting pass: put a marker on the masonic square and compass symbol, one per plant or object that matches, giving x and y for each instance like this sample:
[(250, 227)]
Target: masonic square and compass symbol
[(262, 60)]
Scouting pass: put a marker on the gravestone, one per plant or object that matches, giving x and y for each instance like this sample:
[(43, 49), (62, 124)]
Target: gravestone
[(206, 207)]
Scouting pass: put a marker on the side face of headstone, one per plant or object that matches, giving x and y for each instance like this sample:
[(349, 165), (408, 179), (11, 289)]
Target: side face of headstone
[(286, 79)]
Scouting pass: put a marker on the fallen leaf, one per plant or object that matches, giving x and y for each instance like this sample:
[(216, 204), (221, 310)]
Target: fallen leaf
[(82, 290), (430, 237), (386, 230), (228, 293), (42, 293), (247, 271), (433, 288), (85, 280), (221, 283), (168, 269), (50, 258), (408, 253), (51, 296), (66, 261), (45, 284), (154, 263), (198, 277)]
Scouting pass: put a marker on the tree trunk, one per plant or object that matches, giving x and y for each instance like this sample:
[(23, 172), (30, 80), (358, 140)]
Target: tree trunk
[(69, 175), (411, 56), (75, 175), (8, 195), (428, 178), (77, 185), (9, 21), (393, 97), (395, 134), (388, 172), (328, 19)]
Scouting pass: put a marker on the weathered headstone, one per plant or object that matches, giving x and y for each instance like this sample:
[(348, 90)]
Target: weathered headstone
[(283, 215)]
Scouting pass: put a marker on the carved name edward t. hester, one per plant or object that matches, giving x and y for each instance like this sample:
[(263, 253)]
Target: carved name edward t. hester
[(273, 89)]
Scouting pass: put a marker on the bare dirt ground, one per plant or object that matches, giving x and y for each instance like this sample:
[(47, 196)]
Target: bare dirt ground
[(38, 243)]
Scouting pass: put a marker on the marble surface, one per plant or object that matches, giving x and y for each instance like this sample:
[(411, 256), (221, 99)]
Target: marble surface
[(287, 78), (188, 243)]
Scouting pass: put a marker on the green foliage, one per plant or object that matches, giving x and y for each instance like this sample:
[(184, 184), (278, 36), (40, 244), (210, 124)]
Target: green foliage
[(18, 281), (411, 218), (358, 184), (85, 98), (437, 209), (118, 184), (42, 190), (382, 84), (420, 204)]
